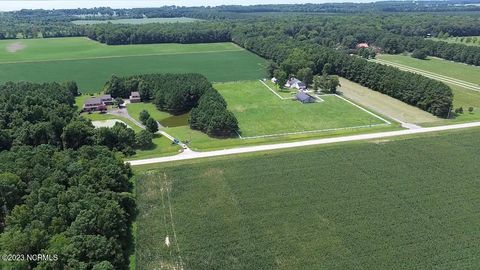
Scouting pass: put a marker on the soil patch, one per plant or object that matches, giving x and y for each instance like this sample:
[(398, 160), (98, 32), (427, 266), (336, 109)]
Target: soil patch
[(15, 47)]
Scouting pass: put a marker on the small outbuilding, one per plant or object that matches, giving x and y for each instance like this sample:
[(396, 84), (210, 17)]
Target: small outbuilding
[(135, 97), (304, 97)]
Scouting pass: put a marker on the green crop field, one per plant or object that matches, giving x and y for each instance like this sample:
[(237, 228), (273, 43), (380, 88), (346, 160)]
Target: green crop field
[(91, 63), (371, 205), (462, 97), (443, 67), (260, 112), (138, 21)]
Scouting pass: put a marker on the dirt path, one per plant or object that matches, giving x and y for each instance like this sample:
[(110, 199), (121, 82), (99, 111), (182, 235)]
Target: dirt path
[(15, 47), (189, 154)]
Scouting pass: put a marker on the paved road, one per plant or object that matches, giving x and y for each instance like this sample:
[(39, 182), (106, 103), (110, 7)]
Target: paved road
[(189, 154)]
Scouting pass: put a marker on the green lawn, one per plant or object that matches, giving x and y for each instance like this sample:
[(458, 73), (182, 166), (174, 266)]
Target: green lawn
[(260, 112), (162, 146), (134, 110), (138, 21), (403, 204), (91, 64)]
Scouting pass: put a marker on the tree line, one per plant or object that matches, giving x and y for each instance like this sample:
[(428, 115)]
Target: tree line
[(292, 55), (178, 94), (199, 32), (64, 192)]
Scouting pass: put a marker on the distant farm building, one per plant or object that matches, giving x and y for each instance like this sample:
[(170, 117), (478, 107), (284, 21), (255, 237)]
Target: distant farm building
[(107, 99), (94, 104), (135, 97), (296, 83), (274, 80), (304, 97), (362, 46)]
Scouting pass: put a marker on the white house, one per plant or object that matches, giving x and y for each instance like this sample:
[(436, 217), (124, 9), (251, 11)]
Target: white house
[(296, 83)]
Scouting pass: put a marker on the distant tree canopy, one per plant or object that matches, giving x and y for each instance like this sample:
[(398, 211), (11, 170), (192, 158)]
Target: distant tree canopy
[(178, 94), (199, 32), (291, 55), (63, 191)]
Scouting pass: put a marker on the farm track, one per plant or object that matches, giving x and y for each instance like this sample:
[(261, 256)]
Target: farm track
[(432, 75), (112, 57), (189, 154)]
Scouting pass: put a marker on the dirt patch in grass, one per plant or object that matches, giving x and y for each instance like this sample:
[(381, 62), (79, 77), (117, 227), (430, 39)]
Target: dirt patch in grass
[(213, 173), (15, 47)]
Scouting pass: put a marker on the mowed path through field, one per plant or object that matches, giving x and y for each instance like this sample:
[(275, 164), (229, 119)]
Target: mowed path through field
[(90, 63)]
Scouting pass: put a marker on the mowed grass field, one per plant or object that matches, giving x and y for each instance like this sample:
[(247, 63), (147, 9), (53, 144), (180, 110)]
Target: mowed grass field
[(462, 97), (371, 205), (260, 112), (384, 104), (91, 64), (474, 40)]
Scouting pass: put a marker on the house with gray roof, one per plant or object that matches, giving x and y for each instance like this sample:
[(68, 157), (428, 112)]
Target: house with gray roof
[(304, 97), (296, 83)]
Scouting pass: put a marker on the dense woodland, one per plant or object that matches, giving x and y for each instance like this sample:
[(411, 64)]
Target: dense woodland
[(178, 94), (63, 191)]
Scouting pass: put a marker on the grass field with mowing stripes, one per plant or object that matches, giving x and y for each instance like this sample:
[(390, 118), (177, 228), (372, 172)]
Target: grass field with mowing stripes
[(275, 116), (91, 64), (260, 112), (372, 205)]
